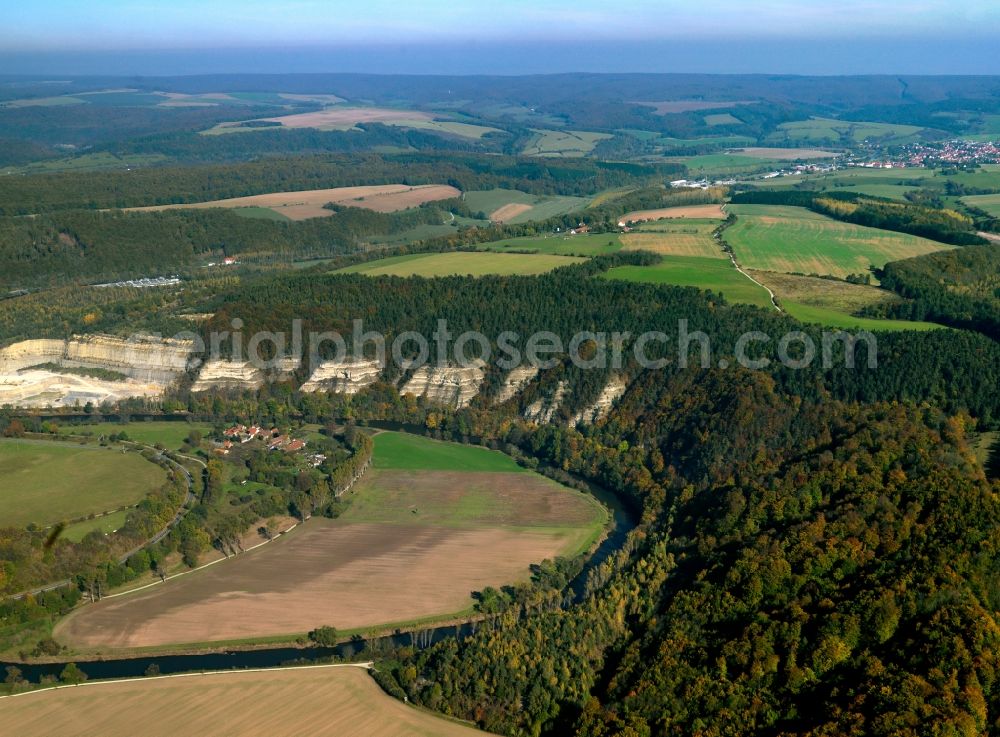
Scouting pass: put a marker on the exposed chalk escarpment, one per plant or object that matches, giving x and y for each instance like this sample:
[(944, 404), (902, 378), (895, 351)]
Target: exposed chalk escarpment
[(143, 358), (221, 374), (611, 393), (454, 386), (543, 409), (342, 377), (515, 381), (30, 374)]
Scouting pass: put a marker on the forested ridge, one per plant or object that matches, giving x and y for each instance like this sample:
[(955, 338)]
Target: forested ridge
[(25, 195), (946, 367), (959, 288), (809, 568)]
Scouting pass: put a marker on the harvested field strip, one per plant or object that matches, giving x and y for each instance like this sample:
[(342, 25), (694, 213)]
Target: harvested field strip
[(309, 203), (692, 211), (325, 701), (675, 244)]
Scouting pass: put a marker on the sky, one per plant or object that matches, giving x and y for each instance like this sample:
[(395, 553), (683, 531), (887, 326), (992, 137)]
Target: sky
[(101, 36)]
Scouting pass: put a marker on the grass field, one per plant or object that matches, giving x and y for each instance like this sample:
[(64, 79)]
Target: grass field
[(716, 274), (397, 451), (562, 143), (46, 482), (430, 523), (827, 131), (785, 154), (461, 263), (106, 524), (838, 319), (584, 244), (710, 165), (87, 162), (260, 213), (988, 202), (301, 702), (513, 206), (305, 204), (722, 119), (795, 240), (170, 435)]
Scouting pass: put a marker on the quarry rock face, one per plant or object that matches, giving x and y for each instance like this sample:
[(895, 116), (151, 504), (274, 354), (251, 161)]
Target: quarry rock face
[(28, 353), (221, 374), (542, 410), (453, 386), (149, 359), (515, 381), (611, 393), (342, 377), (147, 365)]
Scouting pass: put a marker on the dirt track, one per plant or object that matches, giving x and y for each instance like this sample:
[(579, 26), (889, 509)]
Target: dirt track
[(302, 702)]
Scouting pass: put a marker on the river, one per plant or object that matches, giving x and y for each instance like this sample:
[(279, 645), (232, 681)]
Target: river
[(623, 521)]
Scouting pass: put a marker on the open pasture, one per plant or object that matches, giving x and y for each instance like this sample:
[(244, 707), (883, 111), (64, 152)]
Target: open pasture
[(513, 206), (429, 524), (724, 164), (832, 302), (798, 241), (784, 154), (170, 435), (341, 701), (461, 263), (563, 143), (987, 202), (309, 203), (829, 131), (715, 274), (46, 482), (671, 107)]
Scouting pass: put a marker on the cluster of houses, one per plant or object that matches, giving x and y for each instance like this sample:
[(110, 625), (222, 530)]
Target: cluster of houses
[(273, 438)]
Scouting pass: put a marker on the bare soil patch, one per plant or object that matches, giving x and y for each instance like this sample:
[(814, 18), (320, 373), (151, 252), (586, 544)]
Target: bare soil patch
[(324, 573), (307, 702), (347, 117), (309, 203), (693, 211), (509, 212)]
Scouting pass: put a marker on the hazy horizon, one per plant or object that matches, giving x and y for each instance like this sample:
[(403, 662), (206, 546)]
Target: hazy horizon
[(787, 57), (512, 37)]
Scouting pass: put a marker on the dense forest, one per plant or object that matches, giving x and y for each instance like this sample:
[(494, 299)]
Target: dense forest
[(948, 368), (792, 555), (25, 195), (960, 288)]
